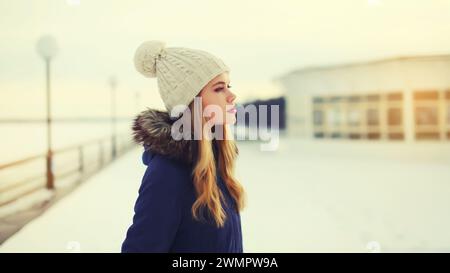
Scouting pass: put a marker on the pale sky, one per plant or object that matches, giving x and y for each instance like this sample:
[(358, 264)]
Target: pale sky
[(259, 40)]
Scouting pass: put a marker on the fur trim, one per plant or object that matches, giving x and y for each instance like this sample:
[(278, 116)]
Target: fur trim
[(152, 129)]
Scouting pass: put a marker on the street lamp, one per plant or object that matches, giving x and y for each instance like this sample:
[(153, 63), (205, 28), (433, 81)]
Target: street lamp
[(47, 48), (113, 85)]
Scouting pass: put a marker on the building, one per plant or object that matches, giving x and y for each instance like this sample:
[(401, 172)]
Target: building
[(398, 99)]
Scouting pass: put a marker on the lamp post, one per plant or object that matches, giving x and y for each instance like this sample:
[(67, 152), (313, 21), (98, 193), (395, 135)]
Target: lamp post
[(113, 85), (47, 49)]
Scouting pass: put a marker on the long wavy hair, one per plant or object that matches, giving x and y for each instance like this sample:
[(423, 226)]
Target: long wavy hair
[(204, 171)]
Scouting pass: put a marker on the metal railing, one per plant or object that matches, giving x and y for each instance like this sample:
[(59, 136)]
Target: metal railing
[(15, 189)]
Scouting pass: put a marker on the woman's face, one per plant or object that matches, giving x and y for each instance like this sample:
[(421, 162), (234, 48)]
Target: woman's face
[(217, 92)]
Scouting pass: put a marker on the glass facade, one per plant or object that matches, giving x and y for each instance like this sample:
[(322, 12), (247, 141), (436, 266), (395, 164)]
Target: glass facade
[(381, 116)]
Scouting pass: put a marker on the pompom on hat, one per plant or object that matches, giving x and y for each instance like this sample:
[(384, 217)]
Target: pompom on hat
[(181, 72)]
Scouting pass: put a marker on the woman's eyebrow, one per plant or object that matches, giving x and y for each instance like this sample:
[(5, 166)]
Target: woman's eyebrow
[(218, 83)]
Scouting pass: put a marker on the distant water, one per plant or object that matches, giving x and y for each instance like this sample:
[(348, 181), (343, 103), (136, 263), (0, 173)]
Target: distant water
[(19, 140)]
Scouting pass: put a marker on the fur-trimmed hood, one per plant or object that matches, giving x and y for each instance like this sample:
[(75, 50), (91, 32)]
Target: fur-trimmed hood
[(152, 129)]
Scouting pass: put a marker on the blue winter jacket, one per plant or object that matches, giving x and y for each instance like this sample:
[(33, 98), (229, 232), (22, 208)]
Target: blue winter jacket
[(163, 220)]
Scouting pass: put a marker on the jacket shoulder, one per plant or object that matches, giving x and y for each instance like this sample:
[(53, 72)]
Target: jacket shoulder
[(170, 172)]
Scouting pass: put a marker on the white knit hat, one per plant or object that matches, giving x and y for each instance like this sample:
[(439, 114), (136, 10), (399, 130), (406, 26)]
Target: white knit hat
[(181, 72)]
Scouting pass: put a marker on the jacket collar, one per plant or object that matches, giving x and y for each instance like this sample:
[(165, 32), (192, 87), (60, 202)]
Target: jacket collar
[(152, 129)]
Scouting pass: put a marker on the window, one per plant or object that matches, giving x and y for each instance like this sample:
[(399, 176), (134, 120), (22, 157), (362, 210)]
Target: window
[(318, 117), (395, 116), (318, 100), (426, 95), (373, 98), (319, 135), (427, 135), (354, 111), (354, 99), (334, 117), (396, 136), (373, 117), (354, 136), (373, 135), (426, 114), (354, 117), (395, 96)]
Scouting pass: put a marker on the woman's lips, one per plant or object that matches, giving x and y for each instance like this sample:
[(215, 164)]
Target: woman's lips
[(232, 110)]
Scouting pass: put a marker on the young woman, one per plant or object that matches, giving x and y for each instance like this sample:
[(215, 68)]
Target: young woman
[(189, 200)]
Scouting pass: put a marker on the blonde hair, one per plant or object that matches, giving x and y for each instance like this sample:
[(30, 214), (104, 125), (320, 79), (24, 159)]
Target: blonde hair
[(204, 174)]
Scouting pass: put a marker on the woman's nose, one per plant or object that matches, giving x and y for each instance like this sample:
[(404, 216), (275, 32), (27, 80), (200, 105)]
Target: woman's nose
[(232, 97)]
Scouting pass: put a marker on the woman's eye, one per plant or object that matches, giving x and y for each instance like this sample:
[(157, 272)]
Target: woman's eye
[(221, 88)]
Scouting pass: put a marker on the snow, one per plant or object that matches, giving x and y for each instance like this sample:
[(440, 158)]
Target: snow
[(307, 196), (344, 196), (93, 218), (28, 201)]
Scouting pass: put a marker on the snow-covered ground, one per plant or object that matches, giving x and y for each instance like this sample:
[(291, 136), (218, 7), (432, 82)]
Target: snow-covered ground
[(344, 196), (307, 196)]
